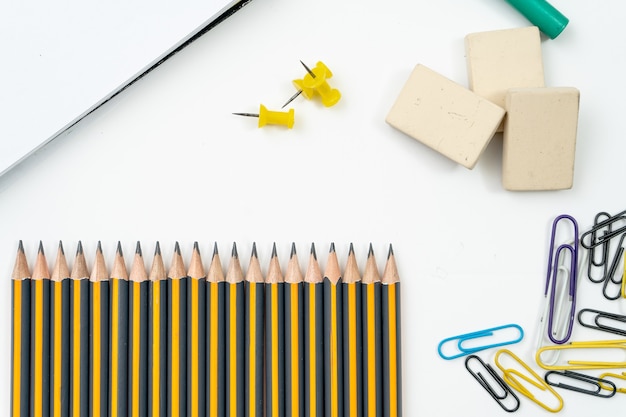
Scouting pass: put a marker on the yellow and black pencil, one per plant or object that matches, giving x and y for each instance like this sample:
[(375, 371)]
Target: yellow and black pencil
[(274, 340), (352, 339), (216, 377), (333, 337), (254, 335), (40, 338), (196, 336), (392, 376), (234, 314), (177, 334), (99, 318), (294, 337), (313, 338), (79, 310), (138, 337), (20, 335), (372, 342), (157, 337), (60, 336), (118, 354)]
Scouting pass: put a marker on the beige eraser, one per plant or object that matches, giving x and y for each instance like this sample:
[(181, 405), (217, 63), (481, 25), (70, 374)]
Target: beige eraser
[(445, 116), (540, 138), (503, 59)]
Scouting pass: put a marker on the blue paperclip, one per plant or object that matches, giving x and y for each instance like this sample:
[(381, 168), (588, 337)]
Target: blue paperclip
[(554, 266), (477, 335)]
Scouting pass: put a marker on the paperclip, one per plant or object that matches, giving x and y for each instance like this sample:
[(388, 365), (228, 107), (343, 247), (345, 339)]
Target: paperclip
[(499, 397), (609, 279), (477, 335), (554, 267), (579, 364), (592, 251), (596, 383), (602, 315), (612, 375), (511, 377), (594, 240)]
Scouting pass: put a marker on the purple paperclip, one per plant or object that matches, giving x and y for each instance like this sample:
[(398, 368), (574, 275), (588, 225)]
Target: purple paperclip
[(553, 270)]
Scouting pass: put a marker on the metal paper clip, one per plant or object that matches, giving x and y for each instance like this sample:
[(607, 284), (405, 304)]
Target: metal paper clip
[(556, 268), (515, 379), (590, 238), (619, 344), (501, 394), (600, 318), (612, 375), (598, 385), (460, 339)]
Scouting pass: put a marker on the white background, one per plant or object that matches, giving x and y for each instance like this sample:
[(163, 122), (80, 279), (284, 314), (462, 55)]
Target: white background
[(167, 161)]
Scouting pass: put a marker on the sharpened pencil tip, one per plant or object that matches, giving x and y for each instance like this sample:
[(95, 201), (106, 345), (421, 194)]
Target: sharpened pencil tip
[(20, 246), (351, 251), (138, 249), (196, 247), (254, 254), (215, 252), (41, 247), (157, 248), (313, 251), (234, 253), (79, 247), (371, 251), (274, 250), (332, 247), (177, 248), (99, 247), (61, 247), (119, 248), (390, 251), (293, 249)]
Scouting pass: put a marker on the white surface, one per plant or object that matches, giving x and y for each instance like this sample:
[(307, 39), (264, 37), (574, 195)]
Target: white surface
[(167, 161), (60, 59)]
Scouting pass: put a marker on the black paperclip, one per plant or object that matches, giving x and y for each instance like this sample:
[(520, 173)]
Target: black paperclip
[(593, 261), (595, 240), (602, 315), (499, 397), (610, 276), (588, 379)]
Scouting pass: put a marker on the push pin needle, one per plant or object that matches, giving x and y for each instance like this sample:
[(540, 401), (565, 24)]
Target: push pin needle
[(268, 117), (292, 98)]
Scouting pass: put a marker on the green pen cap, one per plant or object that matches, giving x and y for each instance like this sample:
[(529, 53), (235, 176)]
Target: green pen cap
[(543, 15)]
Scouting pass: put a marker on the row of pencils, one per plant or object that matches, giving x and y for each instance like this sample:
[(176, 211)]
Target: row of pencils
[(190, 343)]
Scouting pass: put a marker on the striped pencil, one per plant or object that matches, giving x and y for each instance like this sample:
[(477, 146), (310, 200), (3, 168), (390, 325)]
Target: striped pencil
[(392, 377), (177, 334), (40, 338), (294, 337), (20, 335), (118, 354), (333, 336), (138, 337), (254, 335), (79, 310), (196, 336), (352, 339), (216, 377), (99, 344), (274, 340), (234, 314), (372, 348), (313, 338), (157, 337), (60, 336)]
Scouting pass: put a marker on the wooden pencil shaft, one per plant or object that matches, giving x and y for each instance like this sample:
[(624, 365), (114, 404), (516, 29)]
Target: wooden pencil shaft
[(118, 353), (216, 334), (372, 350), (352, 349), (234, 314), (313, 349), (254, 348), (157, 349), (40, 348), (60, 347), (391, 364), (333, 352), (177, 346), (79, 305), (138, 348), (275, 350), (294, 349), (196, 347), (99, 324), (20, 347)]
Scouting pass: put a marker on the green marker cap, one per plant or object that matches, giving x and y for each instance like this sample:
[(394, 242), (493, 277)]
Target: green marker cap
[(543, 15)]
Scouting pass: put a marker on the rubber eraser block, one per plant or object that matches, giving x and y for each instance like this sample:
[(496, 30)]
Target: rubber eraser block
[(503, 59), (539, 141), (445, 116)]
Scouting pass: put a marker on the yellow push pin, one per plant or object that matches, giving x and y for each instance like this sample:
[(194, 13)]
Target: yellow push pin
[(269, 117), (314, 83)]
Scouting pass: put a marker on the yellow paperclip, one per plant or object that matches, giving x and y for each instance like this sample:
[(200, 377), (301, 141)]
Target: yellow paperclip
[(510, 376), (612, 375), (578, 364)]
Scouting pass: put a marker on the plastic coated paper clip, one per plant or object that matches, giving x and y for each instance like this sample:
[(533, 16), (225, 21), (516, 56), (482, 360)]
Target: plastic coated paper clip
[(612, 375), (600, 319), (618, 344), (493, 333), (597, 385), (515, 378), (497, 388)]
